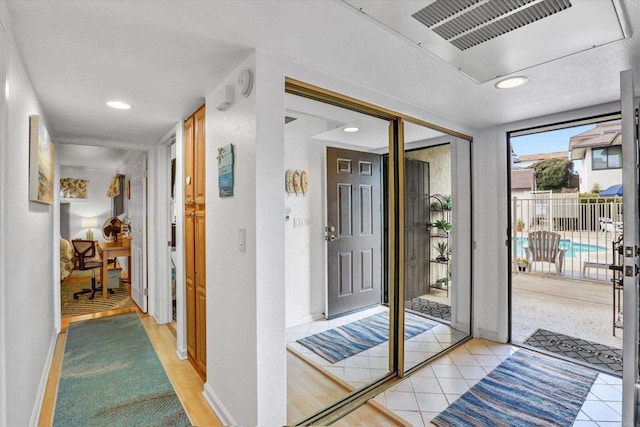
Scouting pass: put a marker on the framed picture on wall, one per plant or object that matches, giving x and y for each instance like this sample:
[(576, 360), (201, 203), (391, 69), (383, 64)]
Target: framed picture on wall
[(41, 162)]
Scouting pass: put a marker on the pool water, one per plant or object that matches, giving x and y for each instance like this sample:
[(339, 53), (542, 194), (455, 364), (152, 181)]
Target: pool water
[(573, 249)]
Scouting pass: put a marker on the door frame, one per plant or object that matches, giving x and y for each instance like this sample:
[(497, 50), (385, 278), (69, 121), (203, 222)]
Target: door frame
[(631, 258), (159, 233)]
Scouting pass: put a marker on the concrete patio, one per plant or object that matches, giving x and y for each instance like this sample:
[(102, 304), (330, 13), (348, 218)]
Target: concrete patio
[(579, 308)]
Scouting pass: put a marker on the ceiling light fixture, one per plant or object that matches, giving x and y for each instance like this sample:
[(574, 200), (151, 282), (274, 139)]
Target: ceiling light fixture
[(119, 105), (511, 82), (351, 129)]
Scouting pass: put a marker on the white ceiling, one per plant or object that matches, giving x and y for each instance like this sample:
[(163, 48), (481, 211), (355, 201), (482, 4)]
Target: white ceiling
[(164, 56), (316, 121)]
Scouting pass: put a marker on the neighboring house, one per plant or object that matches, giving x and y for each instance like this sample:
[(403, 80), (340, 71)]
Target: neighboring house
[(600, 150), (523, 181), (527, 160)]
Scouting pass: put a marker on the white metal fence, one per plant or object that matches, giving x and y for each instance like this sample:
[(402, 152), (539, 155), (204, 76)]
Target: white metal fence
[(586, 227)]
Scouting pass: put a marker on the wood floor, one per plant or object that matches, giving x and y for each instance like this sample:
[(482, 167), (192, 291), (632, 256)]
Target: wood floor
[(185, 380), (308, 389)]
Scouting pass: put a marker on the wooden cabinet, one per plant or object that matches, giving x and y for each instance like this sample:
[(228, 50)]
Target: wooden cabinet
[(194, 240)]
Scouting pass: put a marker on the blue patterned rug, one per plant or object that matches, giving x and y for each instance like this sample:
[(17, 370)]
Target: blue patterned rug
[(527, 389), (353, 338), (111, 376)]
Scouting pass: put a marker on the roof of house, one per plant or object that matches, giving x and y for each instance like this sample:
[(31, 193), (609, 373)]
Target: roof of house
[(523, 179), (544, 156), (603, 135)]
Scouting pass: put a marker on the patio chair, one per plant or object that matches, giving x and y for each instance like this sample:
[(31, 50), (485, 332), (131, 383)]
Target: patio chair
[(607, 225), (545, 246)]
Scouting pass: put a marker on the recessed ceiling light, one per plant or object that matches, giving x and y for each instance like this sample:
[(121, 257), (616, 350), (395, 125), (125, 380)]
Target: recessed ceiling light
[(351, 129), (119, 105), (511, 82)]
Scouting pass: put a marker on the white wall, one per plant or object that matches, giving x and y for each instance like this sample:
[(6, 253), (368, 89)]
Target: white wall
[(304, 242), (246, 364), (96, 204), (439, 159), (27, 301)]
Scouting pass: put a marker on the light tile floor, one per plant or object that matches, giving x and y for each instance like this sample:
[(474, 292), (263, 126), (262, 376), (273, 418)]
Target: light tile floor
[(427, 392), (362, 368)]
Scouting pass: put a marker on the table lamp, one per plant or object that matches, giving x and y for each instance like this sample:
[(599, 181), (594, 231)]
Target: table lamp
[(89, 223)]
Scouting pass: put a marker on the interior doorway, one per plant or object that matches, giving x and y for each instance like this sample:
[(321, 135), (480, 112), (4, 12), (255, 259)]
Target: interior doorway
[(566, 224)]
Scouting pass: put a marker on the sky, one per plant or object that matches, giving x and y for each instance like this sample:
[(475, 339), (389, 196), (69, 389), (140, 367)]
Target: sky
[(548, 142)]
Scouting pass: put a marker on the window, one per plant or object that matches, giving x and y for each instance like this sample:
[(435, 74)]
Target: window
[(606, 158)]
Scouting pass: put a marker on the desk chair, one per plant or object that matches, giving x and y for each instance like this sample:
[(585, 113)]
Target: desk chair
[(85, 253)]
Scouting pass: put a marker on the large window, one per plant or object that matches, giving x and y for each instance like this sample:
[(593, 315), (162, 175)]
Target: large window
[(606, 158)]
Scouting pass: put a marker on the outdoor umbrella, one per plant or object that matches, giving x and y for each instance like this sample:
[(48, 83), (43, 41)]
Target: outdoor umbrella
[(614, 190)]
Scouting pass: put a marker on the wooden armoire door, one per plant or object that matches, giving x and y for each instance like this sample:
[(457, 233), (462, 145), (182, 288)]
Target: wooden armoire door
[(194, 242), (201, 292), (190, 281)]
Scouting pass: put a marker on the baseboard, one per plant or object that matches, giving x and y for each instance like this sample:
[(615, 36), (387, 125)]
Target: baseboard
[(182, 353), (220, 410), (490, 335), (305, 319), (37, 406)]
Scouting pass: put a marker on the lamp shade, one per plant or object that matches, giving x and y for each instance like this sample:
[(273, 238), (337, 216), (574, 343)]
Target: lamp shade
[(89, 222)]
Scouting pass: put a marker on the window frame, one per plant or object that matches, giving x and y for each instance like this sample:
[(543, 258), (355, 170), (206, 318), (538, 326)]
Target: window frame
[(607, 155)]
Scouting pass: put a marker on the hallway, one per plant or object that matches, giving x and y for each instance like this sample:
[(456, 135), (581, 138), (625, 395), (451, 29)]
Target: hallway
[(185, 380)]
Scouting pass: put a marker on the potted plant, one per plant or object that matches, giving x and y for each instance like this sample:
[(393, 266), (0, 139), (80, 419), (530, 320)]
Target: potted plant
[(443, 252), (442, 225), (519, 224), (442, 282), (522, 264), (446, 204)]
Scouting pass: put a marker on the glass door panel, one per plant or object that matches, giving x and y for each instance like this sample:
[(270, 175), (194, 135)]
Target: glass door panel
[(434, 175), (337, 326)]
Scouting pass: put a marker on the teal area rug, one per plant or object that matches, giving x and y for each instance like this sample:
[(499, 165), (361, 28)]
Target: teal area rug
[(111, 376), (353, 338), (527, 389)]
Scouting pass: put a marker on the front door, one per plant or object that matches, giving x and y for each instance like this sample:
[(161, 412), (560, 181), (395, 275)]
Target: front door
[(631, 244), (354, 234)]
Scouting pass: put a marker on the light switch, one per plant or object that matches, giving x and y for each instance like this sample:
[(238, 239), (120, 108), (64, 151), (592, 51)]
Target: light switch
[(242, 239)]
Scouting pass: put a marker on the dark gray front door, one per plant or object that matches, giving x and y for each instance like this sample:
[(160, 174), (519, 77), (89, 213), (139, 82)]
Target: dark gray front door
[(354, 247), (416, 234)]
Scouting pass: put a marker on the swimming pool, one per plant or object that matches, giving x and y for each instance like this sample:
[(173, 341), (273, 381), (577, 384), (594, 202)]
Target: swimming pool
[(573, 249)]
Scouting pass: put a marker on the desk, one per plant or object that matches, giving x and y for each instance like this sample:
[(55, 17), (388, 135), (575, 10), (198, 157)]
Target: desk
[(112, 250)]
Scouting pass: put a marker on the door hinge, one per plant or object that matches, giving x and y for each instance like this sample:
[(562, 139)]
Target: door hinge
[(145, 292)]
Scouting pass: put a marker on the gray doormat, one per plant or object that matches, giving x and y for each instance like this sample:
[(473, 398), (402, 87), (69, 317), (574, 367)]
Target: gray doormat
[(599, 355), (430, 308)]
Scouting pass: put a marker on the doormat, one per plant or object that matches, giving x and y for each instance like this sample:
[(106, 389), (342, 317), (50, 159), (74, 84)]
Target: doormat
[(356, 337), (430, 308), (111, 376), (599, 355), (527, 389)]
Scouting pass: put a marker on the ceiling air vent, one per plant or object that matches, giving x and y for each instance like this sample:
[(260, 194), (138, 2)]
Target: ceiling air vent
[(468, 23), (487, 39)]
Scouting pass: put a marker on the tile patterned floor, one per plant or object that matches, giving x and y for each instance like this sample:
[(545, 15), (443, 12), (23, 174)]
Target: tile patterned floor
[(371, 364), (426, 393)]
